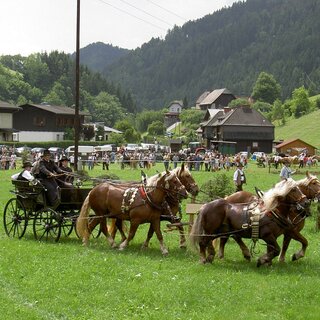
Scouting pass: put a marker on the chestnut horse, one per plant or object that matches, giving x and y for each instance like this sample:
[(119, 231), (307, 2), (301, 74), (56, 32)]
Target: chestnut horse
[(138, 205), (310, 186), (170, 210), (219, 217)]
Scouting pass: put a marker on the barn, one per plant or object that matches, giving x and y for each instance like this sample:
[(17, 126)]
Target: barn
[(294, 147)]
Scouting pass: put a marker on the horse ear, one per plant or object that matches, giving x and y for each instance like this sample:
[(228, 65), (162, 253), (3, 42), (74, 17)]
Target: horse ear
[(167, 171), (307, 174), (182, 166)]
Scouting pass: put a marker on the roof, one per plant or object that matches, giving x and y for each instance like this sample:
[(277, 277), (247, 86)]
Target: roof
[(214, 115), (56, 109), (286, 142), (203, 95), (5, 106), (245, 116), (213, 96)]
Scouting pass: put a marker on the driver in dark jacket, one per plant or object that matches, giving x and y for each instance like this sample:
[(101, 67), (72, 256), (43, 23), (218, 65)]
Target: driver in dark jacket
[(47, 171)]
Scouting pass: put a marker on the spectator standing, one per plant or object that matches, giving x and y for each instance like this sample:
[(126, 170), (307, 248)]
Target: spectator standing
[(239, 177), (286, 171)]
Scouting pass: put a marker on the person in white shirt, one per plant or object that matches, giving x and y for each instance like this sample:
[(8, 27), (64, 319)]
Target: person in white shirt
[(25, 174), (286, 171), (239, 177)]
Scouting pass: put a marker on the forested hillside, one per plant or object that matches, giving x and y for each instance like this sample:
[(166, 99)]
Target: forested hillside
[(99, 55), (228, 48)]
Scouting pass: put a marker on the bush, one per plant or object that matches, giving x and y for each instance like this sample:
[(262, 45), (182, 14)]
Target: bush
[(218, 187)]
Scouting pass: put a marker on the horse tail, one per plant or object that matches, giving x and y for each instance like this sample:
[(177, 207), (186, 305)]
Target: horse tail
[(197, 230), (82, 221)]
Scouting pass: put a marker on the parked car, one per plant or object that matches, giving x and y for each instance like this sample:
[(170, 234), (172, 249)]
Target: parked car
[(21, 150), (132, 147), (37, 150), (257, 155), (57, 150)]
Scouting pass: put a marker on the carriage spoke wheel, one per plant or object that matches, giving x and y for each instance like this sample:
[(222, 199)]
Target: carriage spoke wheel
[(47, 225), (67, 223), (15, 218)]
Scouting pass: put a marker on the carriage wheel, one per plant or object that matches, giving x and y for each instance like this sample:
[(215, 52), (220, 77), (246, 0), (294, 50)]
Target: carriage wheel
[(15, 219), (47, 225), (67, 224)]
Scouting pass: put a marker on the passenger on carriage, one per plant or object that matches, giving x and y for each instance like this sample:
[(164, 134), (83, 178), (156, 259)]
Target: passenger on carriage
[(25, 174), (64, 166)]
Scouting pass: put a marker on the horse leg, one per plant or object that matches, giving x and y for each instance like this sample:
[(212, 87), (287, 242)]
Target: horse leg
[(149, 236), (156, 228), (304, 242), (223, 241), (243, 247), (203, 245), (211, 252), (285, 245), (119, 226), (104, 230), (273, 251), (132, 231), (183, 242)]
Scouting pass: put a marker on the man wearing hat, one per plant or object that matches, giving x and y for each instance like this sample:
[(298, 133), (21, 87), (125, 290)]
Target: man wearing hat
[(25, 174), (239, 177), (63, 165), (286, 171), (47, 172)]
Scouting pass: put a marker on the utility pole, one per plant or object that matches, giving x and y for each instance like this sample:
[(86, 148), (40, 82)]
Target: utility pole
[(76, 115)]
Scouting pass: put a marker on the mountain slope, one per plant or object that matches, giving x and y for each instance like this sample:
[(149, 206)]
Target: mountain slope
[(228, 48), (304, 128), (99, 54)]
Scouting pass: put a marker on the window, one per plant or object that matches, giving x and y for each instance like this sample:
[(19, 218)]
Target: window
[(39, 121)]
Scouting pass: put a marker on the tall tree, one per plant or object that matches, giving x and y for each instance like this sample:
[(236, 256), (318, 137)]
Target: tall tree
[(266, 88)]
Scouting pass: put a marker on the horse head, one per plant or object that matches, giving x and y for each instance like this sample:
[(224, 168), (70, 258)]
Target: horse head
[(310, 186), (187, 180), (284, 194), (172, 185)]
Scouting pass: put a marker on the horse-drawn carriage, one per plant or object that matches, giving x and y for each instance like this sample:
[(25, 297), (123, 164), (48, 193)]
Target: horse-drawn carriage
[(29, 205)]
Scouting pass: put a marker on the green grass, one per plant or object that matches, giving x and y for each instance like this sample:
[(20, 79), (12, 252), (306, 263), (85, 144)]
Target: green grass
[(67, 281), (304, 128)]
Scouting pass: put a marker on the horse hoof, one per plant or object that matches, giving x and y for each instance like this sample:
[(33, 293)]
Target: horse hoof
[(165, 253), (248, 258), (294, 258), (183, 246)]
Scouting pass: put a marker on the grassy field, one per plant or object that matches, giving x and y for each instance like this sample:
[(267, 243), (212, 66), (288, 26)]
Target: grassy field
[(67, 281), (304, 128)]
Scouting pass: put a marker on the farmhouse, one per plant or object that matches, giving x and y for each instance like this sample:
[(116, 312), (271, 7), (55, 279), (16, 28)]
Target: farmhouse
[(6, 123), (243, 128), (172, 116), (295, 147), (43, 122), (216, 99)]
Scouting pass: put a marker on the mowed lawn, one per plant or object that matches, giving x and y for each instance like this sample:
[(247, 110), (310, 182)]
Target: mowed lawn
[(65, 280)]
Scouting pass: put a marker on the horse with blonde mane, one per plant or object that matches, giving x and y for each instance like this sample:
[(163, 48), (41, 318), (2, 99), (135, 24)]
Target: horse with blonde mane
[(221, 218), (310, 187), (136, 204)]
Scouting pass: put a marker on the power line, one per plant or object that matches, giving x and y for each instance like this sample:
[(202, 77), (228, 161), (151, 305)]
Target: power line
[(165, 9), (149, 14), (128, 13)]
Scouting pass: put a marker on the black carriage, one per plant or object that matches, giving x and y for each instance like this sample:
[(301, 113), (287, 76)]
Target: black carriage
[(30, 205)]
